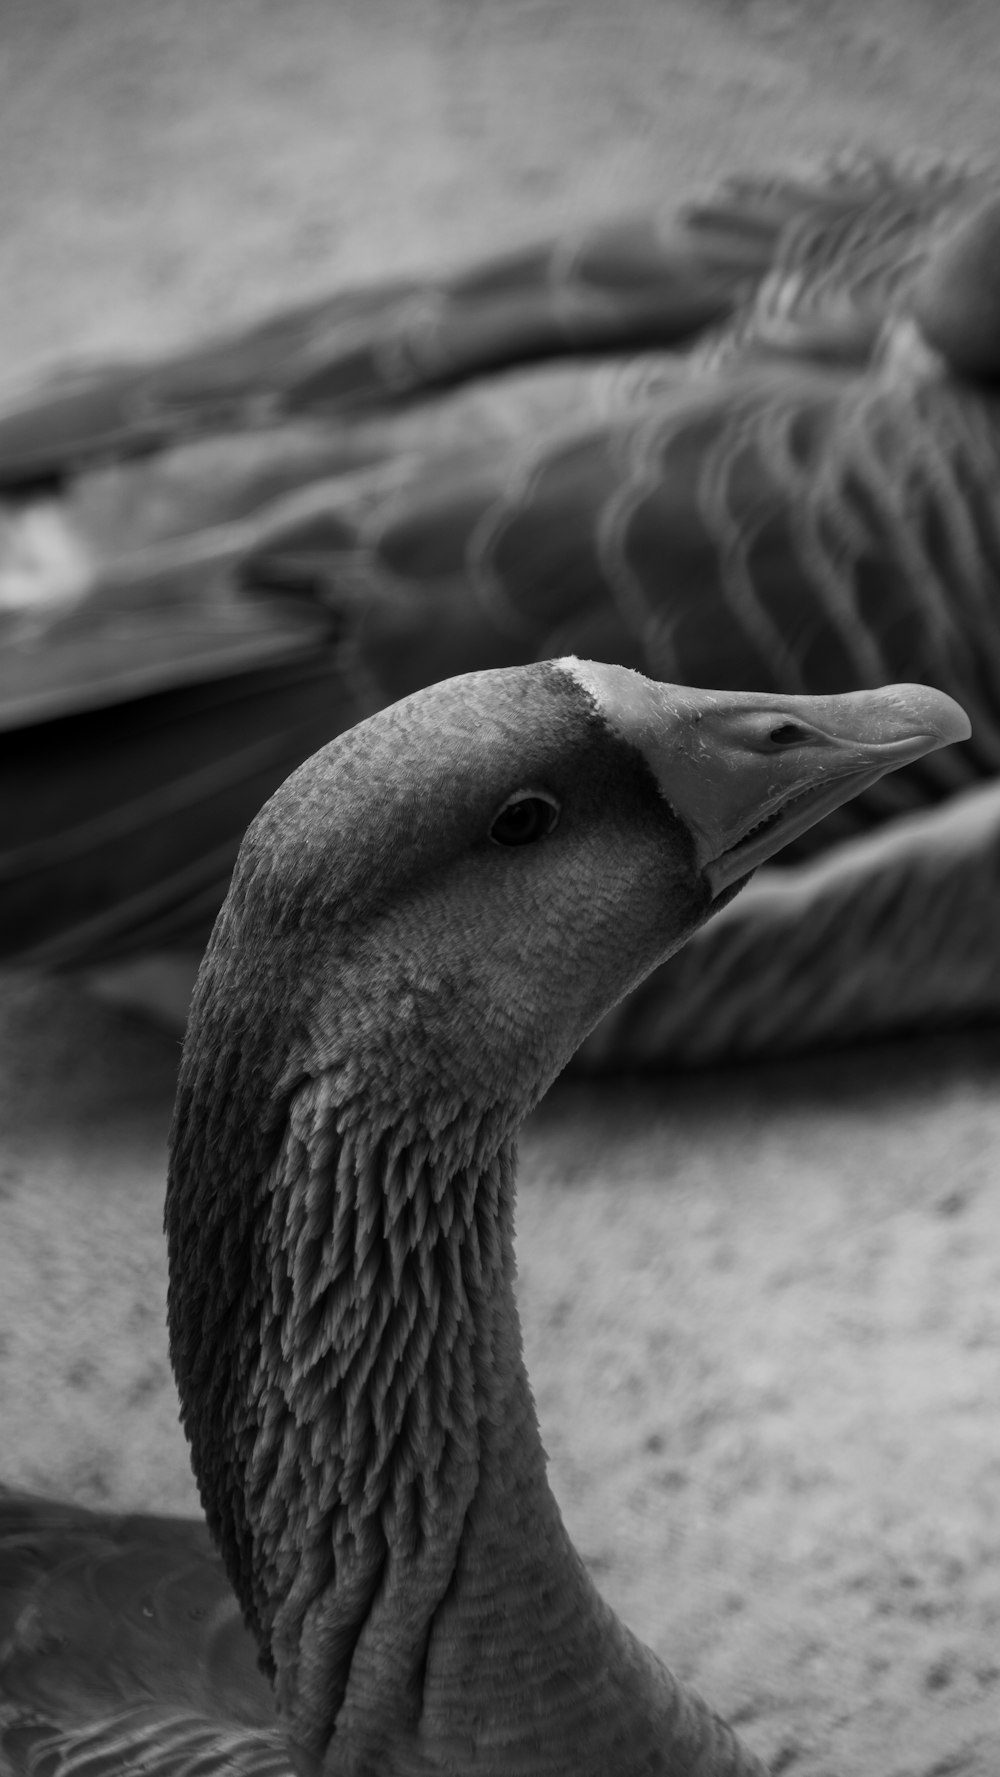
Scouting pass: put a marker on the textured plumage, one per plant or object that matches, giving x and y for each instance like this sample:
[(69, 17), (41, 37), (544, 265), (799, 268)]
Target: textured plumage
[(424, 922), (739, 464)]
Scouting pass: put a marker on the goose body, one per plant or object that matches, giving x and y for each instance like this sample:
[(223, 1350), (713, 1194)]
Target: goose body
[(745, 446), (424, 923)]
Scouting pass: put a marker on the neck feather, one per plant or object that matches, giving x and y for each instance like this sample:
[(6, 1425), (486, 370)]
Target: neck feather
[(369, 1457)]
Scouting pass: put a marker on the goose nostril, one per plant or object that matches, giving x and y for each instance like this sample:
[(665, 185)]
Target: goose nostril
[(788, 734)]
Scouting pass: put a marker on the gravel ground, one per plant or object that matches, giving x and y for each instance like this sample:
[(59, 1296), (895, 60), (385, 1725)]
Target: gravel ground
[(762, 1308)]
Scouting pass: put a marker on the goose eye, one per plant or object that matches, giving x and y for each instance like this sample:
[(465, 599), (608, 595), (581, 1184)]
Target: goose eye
[(526, 816)]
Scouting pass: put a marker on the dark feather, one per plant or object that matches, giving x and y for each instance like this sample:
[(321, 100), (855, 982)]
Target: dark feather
[(690, 446)]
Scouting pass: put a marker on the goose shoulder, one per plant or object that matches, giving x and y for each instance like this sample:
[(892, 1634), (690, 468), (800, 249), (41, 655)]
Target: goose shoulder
[(216, 562)]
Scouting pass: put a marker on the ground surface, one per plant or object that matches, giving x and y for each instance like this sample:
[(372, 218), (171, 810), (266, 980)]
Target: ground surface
[(762, 1310)]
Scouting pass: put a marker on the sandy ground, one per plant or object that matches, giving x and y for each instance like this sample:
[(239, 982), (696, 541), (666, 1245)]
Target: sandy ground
[(762, 1309)]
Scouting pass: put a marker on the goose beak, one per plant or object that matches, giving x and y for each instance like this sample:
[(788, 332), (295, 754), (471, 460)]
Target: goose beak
[(747, 772)]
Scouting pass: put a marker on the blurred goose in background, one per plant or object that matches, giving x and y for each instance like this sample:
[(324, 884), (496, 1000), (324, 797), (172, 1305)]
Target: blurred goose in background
[(755, 444), (423, 923)]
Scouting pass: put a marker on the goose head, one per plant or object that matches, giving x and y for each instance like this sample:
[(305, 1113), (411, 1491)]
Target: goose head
[(424, 922)]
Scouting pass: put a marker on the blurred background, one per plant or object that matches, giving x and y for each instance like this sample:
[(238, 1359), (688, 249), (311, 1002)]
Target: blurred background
[(761, 1306)]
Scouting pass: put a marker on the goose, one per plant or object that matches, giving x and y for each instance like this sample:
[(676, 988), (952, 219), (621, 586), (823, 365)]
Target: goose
[(423, 923), (754, 444)]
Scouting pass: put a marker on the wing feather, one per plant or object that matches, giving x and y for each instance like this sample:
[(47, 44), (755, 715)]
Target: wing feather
[(691, 443)]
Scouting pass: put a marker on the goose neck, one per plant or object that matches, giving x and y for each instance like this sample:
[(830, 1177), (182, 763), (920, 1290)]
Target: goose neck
[(475, 1639), (347, 1344)]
